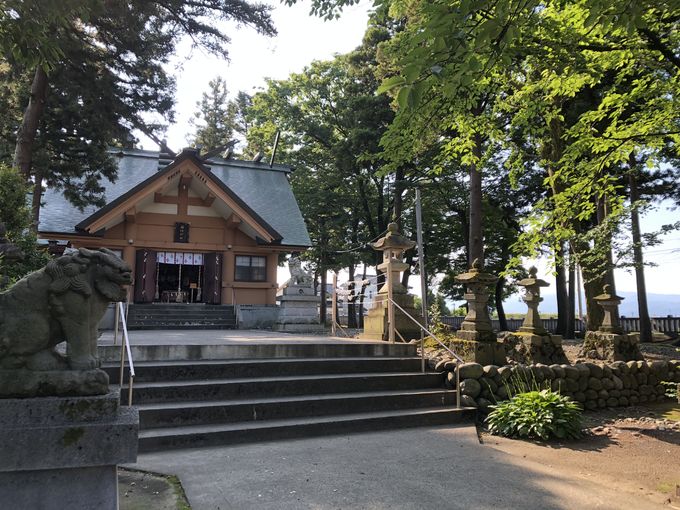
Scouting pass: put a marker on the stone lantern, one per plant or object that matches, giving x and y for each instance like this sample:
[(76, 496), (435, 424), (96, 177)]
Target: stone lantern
[(532, 343), (393, 246), (532, 297), (610, 304), (476, 338), (384, 320), (477, 323), (609, 342)]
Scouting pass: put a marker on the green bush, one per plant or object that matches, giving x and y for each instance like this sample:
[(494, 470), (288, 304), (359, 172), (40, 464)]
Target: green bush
[(536, 414)]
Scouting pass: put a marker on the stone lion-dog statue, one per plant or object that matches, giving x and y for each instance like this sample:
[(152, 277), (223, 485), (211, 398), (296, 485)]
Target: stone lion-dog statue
[(64, 301), (298, 276)]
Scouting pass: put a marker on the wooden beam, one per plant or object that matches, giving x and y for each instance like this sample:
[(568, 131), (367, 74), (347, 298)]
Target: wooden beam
[(160, 198), (233, 221)]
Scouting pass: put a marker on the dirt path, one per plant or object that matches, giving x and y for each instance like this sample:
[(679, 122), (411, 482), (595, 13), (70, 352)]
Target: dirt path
[(637, 452)]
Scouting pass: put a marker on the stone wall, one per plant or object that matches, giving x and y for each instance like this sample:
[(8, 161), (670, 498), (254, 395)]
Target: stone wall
[(594, 386), (257, 316)]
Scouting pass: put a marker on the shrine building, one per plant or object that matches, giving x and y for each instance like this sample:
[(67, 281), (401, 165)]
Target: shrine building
[(194, 230)]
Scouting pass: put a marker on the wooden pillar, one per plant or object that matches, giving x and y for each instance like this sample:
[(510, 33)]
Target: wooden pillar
[(272, 266), (228, 278), (129, 257)]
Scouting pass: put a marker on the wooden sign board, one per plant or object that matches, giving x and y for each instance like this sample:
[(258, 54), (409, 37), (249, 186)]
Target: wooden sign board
[(181, 232)]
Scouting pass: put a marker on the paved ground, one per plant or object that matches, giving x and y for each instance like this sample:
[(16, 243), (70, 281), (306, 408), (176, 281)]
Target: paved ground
[(425, 468), (221, 336)]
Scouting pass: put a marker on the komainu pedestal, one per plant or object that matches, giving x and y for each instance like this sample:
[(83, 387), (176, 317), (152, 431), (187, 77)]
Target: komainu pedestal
[(298, 306), (609, 342), (298, 310), (62, 452)]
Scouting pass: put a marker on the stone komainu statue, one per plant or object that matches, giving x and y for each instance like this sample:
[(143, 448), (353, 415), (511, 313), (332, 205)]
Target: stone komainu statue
[(298, 276), (62, 302)]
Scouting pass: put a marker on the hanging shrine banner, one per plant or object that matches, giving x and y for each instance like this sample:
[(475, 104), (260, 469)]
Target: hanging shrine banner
[(184, 258)]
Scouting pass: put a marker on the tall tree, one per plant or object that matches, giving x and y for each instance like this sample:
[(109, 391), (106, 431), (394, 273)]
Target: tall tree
[(87, 51), (215, 119)]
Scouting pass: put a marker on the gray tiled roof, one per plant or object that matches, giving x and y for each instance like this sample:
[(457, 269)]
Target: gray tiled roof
[(265, 190)]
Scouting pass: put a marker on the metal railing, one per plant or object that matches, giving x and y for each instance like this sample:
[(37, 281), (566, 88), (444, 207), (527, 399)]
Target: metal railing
[(458, 359), (121, 317)]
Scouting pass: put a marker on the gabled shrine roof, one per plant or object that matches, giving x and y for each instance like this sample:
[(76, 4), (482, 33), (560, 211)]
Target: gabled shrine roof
[(265, 191)]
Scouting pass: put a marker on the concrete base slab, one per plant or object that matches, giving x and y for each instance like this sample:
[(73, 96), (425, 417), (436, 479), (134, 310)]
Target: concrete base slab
[(424, 468), (57, 489)]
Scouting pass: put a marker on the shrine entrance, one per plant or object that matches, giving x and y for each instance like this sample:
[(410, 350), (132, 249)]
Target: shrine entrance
[(178, 283), (178, 277)]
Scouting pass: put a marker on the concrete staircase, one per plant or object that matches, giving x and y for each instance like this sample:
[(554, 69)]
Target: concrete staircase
[(305, 390), (181, 316)]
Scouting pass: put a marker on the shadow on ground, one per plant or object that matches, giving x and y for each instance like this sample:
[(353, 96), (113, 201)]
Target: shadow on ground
[(434, 467)]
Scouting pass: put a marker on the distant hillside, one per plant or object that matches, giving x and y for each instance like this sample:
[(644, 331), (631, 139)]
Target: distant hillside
[(659, 305)]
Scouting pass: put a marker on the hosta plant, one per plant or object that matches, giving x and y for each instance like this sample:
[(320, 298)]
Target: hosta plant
[(536, 414)]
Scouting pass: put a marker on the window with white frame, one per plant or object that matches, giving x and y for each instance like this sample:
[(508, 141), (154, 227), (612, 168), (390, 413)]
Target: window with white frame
[(250, 268)]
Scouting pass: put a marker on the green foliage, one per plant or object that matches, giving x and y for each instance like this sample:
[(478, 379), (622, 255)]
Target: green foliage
[(331, 123), (536, 414), (672, 390), (107, 76), (14, 212), (15, 215)]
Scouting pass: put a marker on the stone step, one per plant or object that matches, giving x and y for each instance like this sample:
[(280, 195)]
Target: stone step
[(169, 315), (196, 436), (175, 325), (160, 415), (287, 347), (182, 320), (181, 316), (155, 371), (227, 389)]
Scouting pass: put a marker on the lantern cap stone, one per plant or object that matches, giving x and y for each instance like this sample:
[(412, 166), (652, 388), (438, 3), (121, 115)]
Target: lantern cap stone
[(532, 280), (393, 240), (476, 274), (607, 295)]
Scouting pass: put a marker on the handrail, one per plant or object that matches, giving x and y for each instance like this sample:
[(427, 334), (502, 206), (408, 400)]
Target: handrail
[(125, 348), (459, 360)]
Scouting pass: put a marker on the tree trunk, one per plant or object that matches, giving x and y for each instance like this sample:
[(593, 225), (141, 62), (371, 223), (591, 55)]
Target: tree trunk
[(593, 287), (23, 152), (476, 239), (322, 292), (410, 257), (643, 310), (503, 323), (561, 294), (351, 301), (571, 310), (397, 209)]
